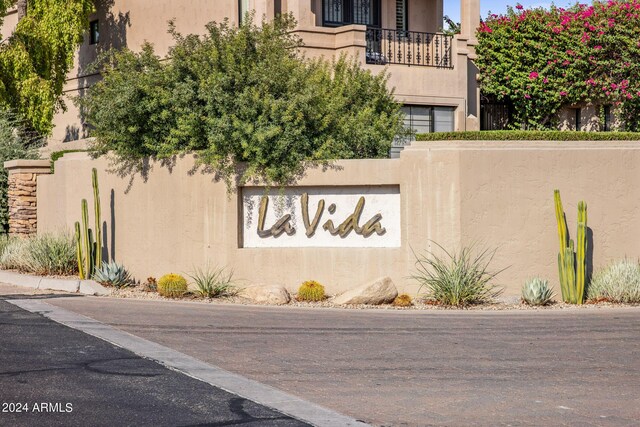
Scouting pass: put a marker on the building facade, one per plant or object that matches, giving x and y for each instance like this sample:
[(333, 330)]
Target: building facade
[(433, 74)]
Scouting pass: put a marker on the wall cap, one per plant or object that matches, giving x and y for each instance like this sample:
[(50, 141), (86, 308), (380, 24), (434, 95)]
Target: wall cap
[(28, 166)]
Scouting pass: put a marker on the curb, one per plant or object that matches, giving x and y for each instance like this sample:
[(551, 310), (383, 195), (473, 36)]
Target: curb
[(87, 287)]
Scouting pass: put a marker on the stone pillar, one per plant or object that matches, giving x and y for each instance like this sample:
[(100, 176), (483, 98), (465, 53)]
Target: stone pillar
[(22, 194)]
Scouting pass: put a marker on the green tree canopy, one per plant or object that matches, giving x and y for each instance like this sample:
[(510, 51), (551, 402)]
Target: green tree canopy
[(243, 101), (35, 59), (541, 60)]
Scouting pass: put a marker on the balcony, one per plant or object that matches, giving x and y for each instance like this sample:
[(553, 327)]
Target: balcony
[(385, 46)]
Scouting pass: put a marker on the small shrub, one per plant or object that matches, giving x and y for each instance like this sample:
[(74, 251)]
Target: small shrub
[(14, 254), (619, 282), (172, 285), (112, 274), (403, 300), (44, 254), (51, 254), (457, 279), (151, 285), (5, 241), (537, 292), (214, 282), (311, 291)]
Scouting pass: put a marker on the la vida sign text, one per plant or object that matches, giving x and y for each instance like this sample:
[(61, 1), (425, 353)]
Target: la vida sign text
[(350, 217)]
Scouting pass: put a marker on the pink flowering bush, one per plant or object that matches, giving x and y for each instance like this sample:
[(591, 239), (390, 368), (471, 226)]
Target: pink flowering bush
[(541, 60)]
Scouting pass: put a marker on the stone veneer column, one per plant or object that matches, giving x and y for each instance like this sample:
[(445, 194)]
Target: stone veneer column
[(22, 194)]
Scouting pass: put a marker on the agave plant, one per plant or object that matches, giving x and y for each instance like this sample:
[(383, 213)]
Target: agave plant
[(112, 274), (537, 292)]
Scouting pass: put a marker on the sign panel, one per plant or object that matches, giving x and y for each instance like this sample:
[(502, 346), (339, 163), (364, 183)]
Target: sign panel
[(330, 217)]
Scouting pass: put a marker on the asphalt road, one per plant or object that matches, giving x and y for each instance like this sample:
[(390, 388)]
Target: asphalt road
[(53, 375), (549, 368)]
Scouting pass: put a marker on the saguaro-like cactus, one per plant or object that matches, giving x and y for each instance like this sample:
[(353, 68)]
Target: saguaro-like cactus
[(581, 252), (78, 239), (96, 209), (86, 243), (572, 265), (89, 252)]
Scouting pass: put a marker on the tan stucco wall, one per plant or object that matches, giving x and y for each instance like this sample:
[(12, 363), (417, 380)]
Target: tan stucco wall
[(9, 22), (495, 193)]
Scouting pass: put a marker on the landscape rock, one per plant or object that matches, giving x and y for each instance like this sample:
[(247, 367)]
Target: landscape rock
[(267, 294), (91, 287), (378, 292)]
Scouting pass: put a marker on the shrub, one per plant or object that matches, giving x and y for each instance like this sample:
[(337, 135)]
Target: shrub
[(44, 254), (112, 274), (151, 285), (14, 254), (457, 279), (172, 285), (540, 59), (403, 300), (526, 135), (311, 291), (243, 100), (537, 292), (51, 254), (619, 282), (5, 240), (214, 282)]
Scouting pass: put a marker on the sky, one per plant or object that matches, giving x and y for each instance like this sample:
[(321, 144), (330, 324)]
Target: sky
[(452, 7)]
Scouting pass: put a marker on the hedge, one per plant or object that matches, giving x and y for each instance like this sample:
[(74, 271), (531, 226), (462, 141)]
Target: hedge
[(523, 135)]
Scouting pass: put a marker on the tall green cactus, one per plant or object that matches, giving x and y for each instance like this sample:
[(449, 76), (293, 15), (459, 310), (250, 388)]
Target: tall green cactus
[(581, 252), (572, 265), (96, 209), (78, 239), (89, 252), (88, 262)]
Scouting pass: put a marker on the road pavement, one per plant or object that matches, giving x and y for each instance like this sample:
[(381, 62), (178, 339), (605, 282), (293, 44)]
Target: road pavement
[(53, 375), (576, 367)]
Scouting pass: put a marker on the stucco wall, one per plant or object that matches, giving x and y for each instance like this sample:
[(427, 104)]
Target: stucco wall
[(495, 193)]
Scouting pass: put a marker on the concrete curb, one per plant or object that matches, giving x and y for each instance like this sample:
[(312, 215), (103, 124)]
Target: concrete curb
[(249, 389), (87, 287)]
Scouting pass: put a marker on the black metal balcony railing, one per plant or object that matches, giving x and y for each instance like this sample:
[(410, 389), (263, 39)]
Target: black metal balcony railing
[(408, 48)]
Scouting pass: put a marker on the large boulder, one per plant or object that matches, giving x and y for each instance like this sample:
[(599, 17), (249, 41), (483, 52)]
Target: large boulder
[(266, 294), (378, 292)]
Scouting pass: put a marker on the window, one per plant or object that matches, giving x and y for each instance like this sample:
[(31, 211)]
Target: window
[(402, 16), (425, 119), (94, 32), (578, 119), (344, 12)]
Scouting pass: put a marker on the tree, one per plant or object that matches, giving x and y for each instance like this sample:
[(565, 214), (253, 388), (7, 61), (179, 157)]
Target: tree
[(541, 60), (244, 101), (35, 59)]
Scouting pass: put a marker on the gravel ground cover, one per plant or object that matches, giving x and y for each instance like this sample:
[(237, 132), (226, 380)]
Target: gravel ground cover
[(504, 303)]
